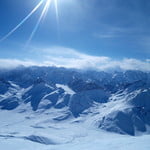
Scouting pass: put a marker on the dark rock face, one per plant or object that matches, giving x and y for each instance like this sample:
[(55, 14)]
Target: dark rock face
[(139, 124), (40, 139), (9, 103), (142, 100), (35, 94), (79, 103), (4, 85), (83, 100), (119, 122), (79, 85), (126, 122)]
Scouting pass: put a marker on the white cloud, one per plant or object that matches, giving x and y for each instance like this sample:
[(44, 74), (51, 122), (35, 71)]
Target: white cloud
[(13, 63), (70, 58)]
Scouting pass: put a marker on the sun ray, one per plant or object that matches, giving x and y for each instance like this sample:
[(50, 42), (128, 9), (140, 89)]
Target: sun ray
[(57, 17), (46, 7), (56, 10), (22, 22)]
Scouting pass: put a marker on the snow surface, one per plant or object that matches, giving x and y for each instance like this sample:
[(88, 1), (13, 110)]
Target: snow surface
[(30, 131), (66, 89)]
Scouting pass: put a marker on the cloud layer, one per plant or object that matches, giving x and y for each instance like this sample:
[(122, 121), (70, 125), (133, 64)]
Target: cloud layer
[(70, 58)]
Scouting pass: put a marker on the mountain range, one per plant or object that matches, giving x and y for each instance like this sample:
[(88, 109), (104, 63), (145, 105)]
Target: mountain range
[(117, 101)]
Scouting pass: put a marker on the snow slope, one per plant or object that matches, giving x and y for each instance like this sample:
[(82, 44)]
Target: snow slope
[(41, 132)]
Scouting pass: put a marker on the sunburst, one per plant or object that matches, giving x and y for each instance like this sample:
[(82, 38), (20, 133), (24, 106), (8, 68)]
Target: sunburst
[(43, 14), (45, 9)]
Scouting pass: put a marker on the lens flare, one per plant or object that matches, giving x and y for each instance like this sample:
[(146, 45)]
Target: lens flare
[(43, 14), (56, 10), (46, 7), (22, 22)]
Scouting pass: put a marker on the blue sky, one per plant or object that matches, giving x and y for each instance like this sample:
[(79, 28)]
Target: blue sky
[(116, 29)]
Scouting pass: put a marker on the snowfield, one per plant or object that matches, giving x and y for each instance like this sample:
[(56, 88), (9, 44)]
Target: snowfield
[(30, 131)]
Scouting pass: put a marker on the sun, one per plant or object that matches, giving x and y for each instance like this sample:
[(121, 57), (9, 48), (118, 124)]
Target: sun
[(46, 5)]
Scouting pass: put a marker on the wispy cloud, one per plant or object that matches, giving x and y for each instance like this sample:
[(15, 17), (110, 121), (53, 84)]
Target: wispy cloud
[(110, 32), (71, 58)]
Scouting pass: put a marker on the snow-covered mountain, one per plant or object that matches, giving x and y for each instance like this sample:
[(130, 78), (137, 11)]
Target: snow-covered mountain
[(116, 102)]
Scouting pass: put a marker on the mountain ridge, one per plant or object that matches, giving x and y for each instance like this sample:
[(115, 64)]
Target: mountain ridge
[(123, 98)]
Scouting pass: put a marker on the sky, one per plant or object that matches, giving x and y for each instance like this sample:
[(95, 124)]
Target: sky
[(76, 33)]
